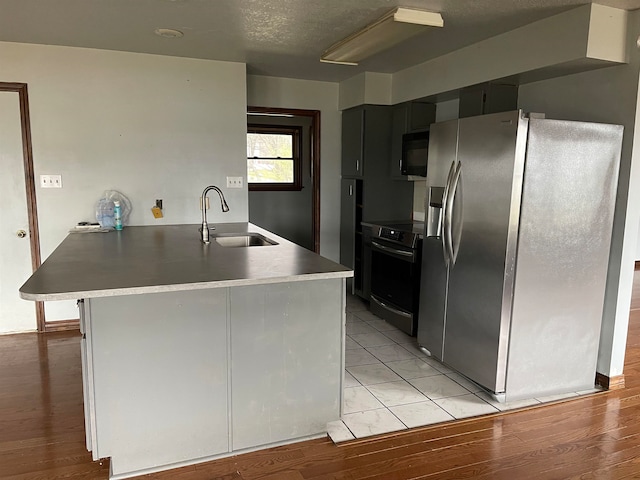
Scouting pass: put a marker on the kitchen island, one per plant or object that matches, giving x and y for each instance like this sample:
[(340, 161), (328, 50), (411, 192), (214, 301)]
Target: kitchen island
[(192, 352)]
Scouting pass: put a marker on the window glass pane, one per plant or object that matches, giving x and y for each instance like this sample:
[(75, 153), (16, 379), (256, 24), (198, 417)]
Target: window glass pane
[(269, 145), (269, 171)]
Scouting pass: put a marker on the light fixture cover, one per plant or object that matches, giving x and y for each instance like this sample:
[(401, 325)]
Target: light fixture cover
[(389, 30)]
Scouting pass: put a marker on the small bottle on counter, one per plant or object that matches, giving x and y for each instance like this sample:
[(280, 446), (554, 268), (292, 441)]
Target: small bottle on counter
[(117, 215)]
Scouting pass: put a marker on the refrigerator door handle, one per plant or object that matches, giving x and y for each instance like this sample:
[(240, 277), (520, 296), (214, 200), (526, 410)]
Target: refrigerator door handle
[(446, 221), (454, 244)]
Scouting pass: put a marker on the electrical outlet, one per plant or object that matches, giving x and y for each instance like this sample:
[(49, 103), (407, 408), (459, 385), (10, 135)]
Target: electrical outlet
[(234, 182), (51, 181)]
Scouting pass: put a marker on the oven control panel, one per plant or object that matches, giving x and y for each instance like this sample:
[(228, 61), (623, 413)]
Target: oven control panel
[(391, 234), (398, 236)]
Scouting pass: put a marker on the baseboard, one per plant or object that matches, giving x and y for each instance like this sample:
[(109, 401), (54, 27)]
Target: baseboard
[(62, 325), (610, 383)]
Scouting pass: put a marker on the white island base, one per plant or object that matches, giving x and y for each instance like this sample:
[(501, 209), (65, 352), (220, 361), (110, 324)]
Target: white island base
[(176, 378)]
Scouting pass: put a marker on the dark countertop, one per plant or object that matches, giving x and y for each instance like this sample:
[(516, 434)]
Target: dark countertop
[(152, 259)]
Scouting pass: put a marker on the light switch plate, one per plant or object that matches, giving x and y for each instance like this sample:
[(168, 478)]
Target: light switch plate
[(234, 182), (51, 181)]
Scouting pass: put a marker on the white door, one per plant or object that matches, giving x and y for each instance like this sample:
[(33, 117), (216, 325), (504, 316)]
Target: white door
[(16, 315)]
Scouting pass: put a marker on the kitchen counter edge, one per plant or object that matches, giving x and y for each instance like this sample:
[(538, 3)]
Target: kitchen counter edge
[(38, 291)]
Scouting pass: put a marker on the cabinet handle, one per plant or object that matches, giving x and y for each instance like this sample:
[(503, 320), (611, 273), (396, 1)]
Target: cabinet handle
[(357, 165), (350, 190)]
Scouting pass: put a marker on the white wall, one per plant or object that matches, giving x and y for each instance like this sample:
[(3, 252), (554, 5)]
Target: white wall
[(610, 96), (149, 126), (570, 39), (311, 95), (366, 88)]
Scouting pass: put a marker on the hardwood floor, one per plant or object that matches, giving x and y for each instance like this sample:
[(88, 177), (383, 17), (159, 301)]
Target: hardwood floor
[(593, 437)]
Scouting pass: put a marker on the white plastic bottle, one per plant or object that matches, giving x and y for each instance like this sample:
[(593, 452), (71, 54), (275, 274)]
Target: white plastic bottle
[(117, 215)]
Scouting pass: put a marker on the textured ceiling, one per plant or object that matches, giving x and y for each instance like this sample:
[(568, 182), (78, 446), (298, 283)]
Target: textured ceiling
[(283, 38)]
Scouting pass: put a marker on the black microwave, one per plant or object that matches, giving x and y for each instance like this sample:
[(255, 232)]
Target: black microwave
[(415, 152)]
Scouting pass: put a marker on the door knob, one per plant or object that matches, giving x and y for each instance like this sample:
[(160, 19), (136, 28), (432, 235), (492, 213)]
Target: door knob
[(21, 233)]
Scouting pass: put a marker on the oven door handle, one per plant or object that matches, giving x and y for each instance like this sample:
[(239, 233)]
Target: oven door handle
[(395, 251), (390, 308)]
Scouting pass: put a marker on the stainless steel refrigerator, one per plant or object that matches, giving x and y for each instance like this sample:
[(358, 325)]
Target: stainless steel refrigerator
[(517, 237)]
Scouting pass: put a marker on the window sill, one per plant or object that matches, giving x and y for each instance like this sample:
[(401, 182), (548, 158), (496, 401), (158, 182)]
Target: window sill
[(274, 187)]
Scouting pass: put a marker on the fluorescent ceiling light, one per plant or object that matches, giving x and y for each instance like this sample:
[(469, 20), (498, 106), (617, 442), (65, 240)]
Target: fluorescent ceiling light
[(389, 30)]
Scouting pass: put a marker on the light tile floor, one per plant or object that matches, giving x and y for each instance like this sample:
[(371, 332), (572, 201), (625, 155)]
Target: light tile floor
[(391, 385)]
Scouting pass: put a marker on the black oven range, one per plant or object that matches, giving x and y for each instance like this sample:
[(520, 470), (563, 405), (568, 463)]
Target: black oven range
[(396, 250)]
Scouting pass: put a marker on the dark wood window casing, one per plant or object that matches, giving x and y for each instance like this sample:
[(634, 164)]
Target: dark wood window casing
[(296, 133)]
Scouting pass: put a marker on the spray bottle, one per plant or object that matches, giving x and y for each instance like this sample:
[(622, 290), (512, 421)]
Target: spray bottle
[(117, 214)]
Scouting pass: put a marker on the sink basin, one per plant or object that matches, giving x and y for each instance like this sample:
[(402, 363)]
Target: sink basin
[(242, 240)]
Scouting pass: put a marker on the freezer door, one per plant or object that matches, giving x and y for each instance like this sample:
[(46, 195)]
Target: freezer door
[(443, 149), (443, 144), (433, 297), (484, 209)]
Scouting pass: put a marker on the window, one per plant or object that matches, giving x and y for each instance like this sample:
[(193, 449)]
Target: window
[(273, 157)]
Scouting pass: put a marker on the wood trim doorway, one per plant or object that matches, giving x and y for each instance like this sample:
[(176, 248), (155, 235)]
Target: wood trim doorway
[(315, 160), (29, 180)]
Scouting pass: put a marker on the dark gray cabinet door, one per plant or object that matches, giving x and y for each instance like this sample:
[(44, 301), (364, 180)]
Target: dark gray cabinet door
[(407, 117), (487, 98), (347, 221), (420, 116), (353, 142), (399, 127)]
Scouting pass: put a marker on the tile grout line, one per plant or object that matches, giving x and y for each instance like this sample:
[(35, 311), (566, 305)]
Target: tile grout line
[(404, 380), (434, 364), (350, 431)]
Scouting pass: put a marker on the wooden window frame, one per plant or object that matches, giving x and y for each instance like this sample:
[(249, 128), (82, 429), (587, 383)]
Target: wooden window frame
[(296, 133)]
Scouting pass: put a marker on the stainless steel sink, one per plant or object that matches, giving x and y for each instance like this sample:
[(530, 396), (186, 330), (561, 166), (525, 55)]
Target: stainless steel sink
[(248, 239)]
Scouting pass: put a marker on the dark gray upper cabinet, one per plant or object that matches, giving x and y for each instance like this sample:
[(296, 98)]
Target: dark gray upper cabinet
[(487, 98), (399, 126), (420, 115), (407, 117), (366, 134), (353, 124)]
